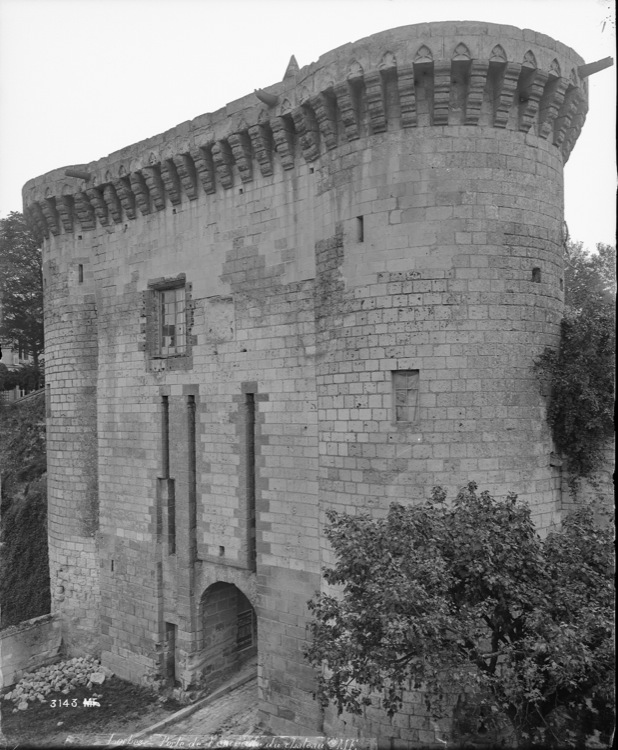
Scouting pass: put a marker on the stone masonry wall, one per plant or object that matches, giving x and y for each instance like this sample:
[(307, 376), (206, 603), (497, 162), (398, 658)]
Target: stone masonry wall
[(254, 333), (71, 371), (392, 210), (442, 283), (28, 646)]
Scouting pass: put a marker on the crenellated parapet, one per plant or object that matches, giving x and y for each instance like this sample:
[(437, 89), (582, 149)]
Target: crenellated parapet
[(413, 77)]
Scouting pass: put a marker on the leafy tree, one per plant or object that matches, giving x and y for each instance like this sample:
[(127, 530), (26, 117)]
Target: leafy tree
[(589, 278), (468, 597), (21, 286), (580, 373), (24, 566)]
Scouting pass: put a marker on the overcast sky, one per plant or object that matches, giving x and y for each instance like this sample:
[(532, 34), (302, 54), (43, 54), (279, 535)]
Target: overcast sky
[(80, 79)]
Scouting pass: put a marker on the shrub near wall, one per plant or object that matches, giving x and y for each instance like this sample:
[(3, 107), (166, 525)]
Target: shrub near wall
[(24, 568)]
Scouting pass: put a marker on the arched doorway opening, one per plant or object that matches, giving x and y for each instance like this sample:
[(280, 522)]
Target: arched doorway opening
[(229, 632)]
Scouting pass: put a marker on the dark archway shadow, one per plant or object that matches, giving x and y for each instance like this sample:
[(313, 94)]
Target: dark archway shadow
[(228, 633)]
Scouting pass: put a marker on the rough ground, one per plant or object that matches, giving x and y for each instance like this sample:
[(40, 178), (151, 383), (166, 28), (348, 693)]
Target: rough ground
[(127, 710), (47, 725), (235, 713)]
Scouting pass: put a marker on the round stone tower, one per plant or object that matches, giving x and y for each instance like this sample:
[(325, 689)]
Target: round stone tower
[(71, 375), (445, 280)]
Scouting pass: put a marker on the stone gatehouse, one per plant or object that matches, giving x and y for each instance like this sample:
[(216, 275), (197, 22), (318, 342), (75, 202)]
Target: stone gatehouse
[(327, 294)]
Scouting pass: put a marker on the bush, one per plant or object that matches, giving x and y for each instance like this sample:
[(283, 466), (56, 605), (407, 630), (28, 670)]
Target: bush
[(580, 373), (28, 377), (581, 381), (467, 597)]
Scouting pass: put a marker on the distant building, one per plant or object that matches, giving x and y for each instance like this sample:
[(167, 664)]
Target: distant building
[(13, 357), (324, 295)]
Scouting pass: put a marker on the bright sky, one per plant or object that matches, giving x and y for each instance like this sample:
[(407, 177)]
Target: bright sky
[(80, 79)]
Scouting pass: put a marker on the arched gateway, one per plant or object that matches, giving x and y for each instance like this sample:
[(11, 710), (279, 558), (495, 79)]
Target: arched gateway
[(228, 635)]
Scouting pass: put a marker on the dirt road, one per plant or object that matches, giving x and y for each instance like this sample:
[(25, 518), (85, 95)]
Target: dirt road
[(235, 713)]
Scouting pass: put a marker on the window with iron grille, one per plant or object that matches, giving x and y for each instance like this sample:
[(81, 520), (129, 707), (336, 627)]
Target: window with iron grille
[(172, 314), (166, 323)]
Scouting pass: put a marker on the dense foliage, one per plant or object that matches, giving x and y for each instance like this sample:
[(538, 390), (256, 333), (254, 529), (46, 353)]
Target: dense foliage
[(29, 377), (580, 374), (21, 286), (24, 567), (468, 596), (589, 278)]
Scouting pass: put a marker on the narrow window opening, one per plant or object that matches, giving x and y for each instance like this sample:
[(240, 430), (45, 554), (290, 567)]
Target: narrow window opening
[(221, 551), (112, 566), (536, 275), (80, 273), (561, 285), (405, 395), (170, 654), (171, 519), (165, 474), (165, 437), (250, 474), (192, 470), (360, 228)]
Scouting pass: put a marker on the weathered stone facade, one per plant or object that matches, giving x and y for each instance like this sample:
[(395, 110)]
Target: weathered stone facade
[(361, 264)]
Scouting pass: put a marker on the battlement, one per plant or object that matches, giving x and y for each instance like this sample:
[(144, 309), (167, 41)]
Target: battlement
[(413, 77)]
